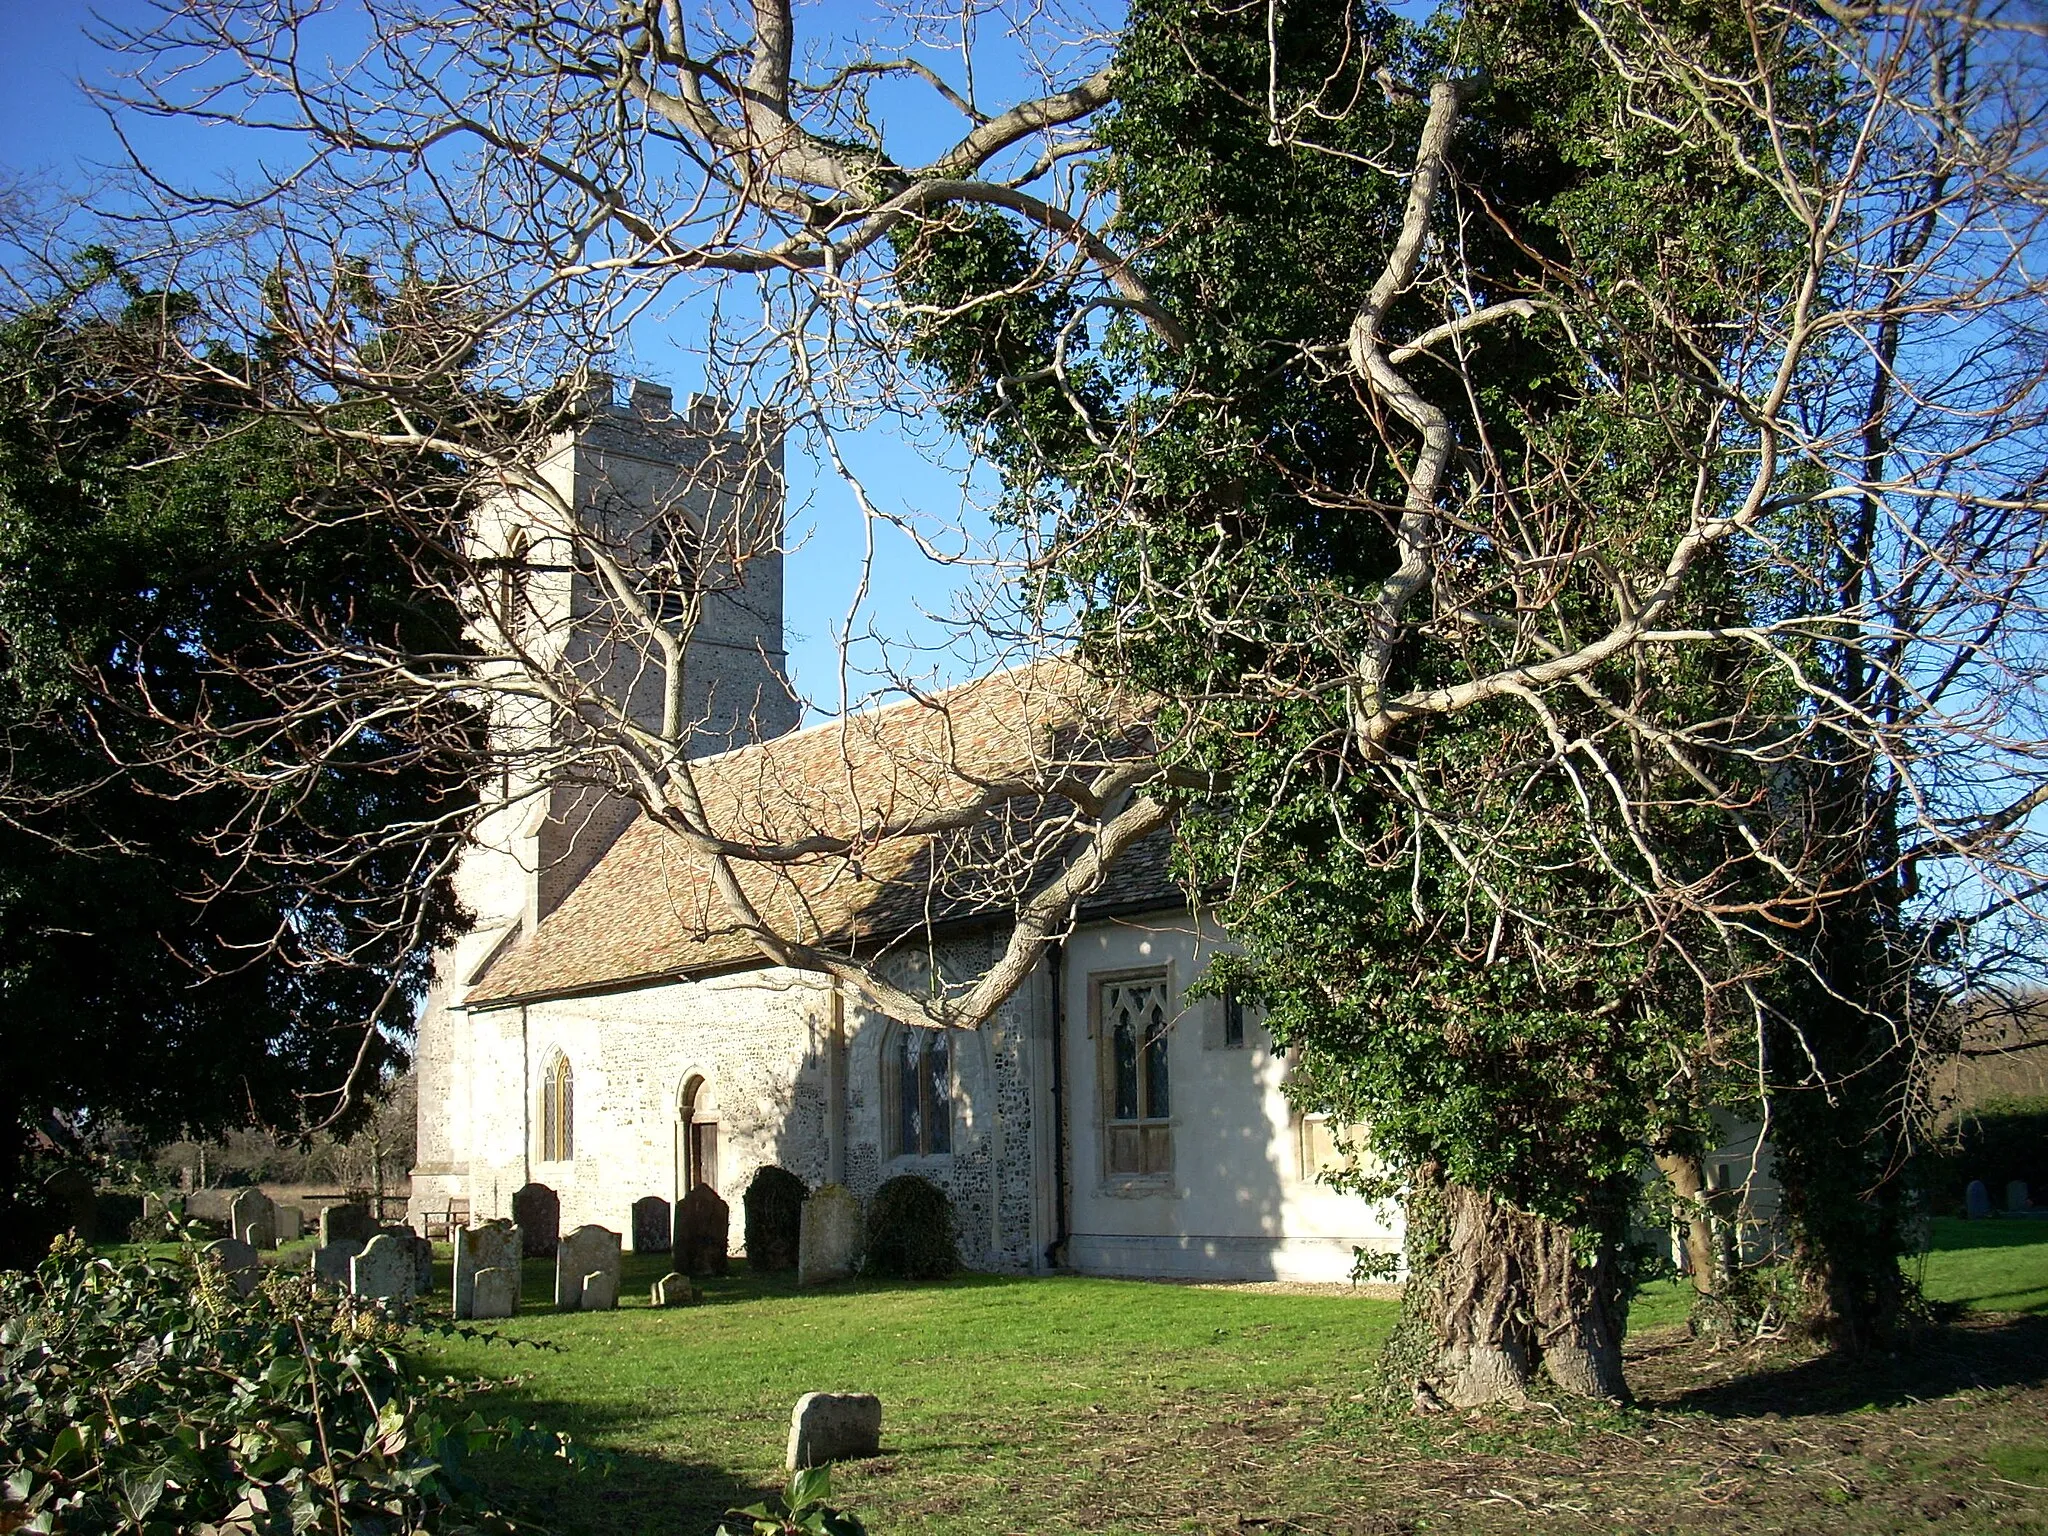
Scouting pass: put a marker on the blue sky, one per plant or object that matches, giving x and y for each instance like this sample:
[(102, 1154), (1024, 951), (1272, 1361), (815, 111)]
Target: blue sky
[(54, 139)]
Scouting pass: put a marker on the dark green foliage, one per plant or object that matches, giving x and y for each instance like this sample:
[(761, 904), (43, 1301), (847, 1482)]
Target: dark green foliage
[(774, 1204), (911, 1231), (142, 1394), (801, 1511), (1997, 1141), (184, 953)]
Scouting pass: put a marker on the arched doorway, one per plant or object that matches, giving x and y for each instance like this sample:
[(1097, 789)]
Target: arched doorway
[(697, 1137)]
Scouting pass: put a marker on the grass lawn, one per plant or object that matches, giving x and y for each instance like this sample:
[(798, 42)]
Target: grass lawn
[(1017, 1405)]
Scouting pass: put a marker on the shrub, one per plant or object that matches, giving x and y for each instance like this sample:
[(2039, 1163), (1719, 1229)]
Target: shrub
[(911, 1231), (1996, 1141), (774, 1204), (143, 1394)]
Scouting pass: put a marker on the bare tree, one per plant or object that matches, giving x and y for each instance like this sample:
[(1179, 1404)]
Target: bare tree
[(1861, 418)]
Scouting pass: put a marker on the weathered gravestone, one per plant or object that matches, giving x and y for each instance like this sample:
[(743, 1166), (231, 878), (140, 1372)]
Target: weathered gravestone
[(1977, 1200), (489, 1245), (586, 1251), (253, 1219), (828, 1242), (703, 1229), (346, 1222), (331, 1261), (672, 1290), (70, 1190), (600, 1291), (537, 1212), (210, 1206), (494, 1292), (422, 1253), (239, 1260), (385, 1270), (653, 1230), (2016, 1197), (833, 1426), (291, 1221)]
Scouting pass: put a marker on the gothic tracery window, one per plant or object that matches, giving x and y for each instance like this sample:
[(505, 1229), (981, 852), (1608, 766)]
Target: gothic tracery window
[(557, 1112), (1135, 1025)]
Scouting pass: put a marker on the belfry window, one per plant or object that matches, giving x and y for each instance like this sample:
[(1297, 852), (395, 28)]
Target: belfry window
[(557, 1112), (920, 1072)]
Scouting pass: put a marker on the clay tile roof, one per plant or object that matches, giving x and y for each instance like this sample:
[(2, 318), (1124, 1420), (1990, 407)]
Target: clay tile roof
[(647, 909)]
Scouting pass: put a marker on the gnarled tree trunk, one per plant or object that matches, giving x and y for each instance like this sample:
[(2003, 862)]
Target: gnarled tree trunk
[(1509, 1292)]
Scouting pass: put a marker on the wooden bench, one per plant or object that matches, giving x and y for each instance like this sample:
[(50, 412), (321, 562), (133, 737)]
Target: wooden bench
[(444, 1223)]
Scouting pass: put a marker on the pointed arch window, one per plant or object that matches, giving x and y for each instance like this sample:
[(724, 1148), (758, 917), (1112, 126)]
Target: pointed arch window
[(558, 1112), (920, 1084)]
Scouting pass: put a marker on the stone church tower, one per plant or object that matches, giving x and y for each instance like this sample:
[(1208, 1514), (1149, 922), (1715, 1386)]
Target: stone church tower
[(693, 508)]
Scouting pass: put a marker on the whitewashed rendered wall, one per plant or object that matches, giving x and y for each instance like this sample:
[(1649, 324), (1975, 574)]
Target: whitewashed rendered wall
[(1238, 1204)]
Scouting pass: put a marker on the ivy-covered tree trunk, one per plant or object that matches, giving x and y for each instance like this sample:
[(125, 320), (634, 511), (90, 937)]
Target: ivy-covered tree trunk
[(1507, 1293)]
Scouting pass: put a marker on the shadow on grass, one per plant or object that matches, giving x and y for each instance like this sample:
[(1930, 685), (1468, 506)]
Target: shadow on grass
[(2005, 1352), (634, 1495)]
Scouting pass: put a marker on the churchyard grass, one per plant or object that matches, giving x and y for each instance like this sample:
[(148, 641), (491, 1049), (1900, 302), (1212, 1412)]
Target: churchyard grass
[(1081, 1404)]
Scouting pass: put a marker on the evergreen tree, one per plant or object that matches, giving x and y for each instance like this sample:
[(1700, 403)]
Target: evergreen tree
[(182, 955)]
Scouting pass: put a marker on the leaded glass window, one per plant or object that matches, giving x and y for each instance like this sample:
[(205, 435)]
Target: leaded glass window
[(1136, 1024)]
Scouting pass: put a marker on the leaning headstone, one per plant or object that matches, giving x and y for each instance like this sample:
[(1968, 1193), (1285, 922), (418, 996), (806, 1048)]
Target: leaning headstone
[(239, 1260), (601, 1291), (1977, 1199), (346, 1222), (833, 1426), (537, 1212), (828, 1239), (2017, 1198), (253, 1219), (385, 1270), (331, 1261), (490, 1245), (584, 1252), (703, 1229), (673, 1290), (210, 1206), (652, 1226), (494, 1292)]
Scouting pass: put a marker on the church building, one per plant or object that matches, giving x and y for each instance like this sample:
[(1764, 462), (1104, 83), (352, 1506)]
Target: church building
[(607, 1031)]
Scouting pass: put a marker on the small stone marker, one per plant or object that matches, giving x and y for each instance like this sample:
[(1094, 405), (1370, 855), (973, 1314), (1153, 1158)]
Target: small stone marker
[(586, 1251), (703, 1231), (601, 1291), (291, 1221), (239, 1260), (489, 1245), (828, 1239), (833, 1426), (253, 1219), (537, 1211), (494, 1292), (2016, 1197), (385, 1270), (673, 1290), (653, 1231), (331, 1261), (346, 1222), (1978, 1200)]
